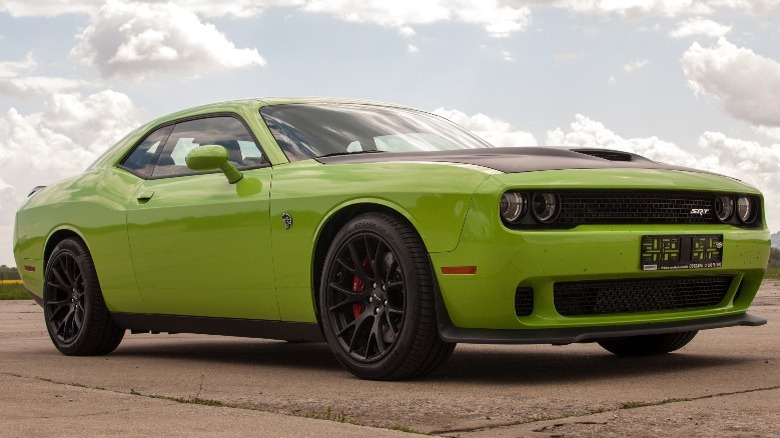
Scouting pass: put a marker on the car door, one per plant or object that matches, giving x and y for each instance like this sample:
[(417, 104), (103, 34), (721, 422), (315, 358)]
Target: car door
[(200, 245)]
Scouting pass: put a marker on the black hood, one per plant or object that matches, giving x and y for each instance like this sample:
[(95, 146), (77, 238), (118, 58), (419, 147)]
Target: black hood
[(515, 159)]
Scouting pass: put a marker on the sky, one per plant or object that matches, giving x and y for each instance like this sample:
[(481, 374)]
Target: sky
[(688, 82)]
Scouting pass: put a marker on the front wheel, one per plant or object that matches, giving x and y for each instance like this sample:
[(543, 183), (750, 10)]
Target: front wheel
[(647, 345), (376, 301), (77, 319)]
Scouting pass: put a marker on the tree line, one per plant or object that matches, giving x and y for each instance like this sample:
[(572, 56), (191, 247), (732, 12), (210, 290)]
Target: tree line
[(8, 273), (774, 258)]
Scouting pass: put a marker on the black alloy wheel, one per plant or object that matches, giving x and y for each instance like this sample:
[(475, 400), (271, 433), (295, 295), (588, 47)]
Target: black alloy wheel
[(76, 316), (366, 296), (376, 300), (65, 300)]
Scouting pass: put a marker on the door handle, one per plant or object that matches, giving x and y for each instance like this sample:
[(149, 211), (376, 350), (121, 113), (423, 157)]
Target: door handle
[(145, 196)]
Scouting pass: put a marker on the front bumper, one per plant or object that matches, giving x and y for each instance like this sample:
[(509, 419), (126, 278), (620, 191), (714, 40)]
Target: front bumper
[(480, 307)]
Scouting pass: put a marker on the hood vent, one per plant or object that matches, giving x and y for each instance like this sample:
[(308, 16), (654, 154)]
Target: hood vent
[(606, 154)]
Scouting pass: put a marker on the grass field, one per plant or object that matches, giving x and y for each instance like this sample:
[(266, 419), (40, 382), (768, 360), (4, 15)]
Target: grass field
[(13, 290), (773, 273)]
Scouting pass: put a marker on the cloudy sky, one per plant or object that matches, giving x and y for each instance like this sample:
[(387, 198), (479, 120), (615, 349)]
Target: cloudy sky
[(688, 82)]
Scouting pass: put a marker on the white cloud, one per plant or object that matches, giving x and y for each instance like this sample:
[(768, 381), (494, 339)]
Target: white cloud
[(640, 9), (495, 132), (756, 7), (14, 82), (208, 8), (506, 55), (585, 132), (55, 143), (634, 9), (47, 8), (496, 19), (748, 161), (747, 84), (134, 39), (411, 48), (406, 31), (232, 8), (635, 65), (699, 26), (12, 69), (9, 203), (60, 141)]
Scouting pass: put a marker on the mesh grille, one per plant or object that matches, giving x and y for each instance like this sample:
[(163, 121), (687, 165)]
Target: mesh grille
[(635, 207), (524, 301), (635, 295)]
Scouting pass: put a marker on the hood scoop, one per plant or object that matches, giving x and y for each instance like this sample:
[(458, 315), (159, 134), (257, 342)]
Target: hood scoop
[(606, 154)]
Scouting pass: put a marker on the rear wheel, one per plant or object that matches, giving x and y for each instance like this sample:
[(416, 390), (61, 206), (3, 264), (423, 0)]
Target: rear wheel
[(376, 301), (647, 345), (76, 316)]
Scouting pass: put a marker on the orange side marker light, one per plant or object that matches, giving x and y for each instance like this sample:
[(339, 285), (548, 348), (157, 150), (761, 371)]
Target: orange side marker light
[(459, 270)]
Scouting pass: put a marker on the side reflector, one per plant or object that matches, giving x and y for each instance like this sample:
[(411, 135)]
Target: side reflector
[(459, 270), (29, 268)]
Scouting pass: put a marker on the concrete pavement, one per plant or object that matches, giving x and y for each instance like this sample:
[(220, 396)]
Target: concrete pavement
[(725, 383)]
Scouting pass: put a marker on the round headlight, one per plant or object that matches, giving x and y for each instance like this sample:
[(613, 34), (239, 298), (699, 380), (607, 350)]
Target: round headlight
[(512, 206), (545, 207), (724, 208), (745, 210)]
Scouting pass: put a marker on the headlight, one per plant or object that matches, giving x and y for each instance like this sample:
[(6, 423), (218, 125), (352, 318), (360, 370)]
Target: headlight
[(545, 207), (724, 208), (746, 211), (513, 206)]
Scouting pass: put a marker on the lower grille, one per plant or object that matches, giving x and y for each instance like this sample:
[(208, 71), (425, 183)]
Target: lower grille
[(524, 301), (639, 295)]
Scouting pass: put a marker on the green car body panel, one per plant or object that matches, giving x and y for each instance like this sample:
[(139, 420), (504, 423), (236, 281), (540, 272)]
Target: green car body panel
[(539, 258), (196, 245)]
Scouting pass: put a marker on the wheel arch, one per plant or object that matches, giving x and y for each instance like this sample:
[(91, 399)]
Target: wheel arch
[(57, 236), (331, 225)]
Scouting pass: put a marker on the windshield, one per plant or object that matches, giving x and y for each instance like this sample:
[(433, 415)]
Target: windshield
[(309, 131)]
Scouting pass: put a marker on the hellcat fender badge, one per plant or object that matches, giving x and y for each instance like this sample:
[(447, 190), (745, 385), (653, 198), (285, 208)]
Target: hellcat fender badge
[(287, 220)]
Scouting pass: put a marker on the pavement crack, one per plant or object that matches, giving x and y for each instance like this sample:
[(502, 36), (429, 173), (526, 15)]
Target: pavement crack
[(622, 406), (340, 417), (557, 425)]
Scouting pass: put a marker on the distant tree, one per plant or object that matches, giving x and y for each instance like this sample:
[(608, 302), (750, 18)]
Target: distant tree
[(774, 258), (8, 273)]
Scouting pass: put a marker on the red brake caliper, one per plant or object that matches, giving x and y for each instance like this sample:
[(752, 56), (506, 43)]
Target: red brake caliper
[(359, 286)]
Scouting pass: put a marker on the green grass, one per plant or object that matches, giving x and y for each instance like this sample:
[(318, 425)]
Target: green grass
[(634, 405), (13, 292), (773, 273)]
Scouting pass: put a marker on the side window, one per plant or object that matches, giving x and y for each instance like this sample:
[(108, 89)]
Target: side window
[(142, 159), (225, 131)]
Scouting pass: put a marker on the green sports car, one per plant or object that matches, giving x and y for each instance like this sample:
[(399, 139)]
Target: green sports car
[(390, 233)]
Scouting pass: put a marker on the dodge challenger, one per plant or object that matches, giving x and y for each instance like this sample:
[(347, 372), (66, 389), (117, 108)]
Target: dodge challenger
[(390, 233)]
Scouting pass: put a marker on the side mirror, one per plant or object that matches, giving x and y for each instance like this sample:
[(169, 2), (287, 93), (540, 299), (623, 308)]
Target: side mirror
[(212, 157)]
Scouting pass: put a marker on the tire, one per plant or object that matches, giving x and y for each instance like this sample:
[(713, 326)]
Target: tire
[(647, 345), (376, 301), (76, 316)]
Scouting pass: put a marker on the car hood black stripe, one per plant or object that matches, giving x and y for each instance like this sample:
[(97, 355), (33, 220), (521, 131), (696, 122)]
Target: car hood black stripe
[(511, 160)]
